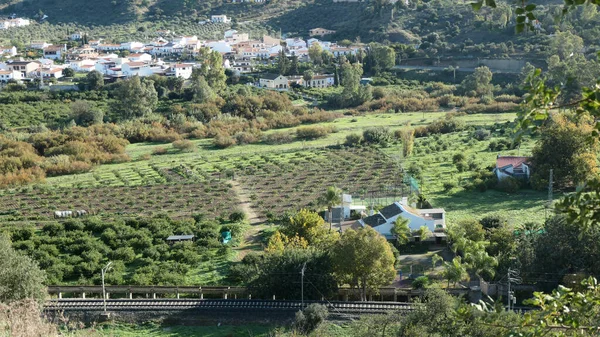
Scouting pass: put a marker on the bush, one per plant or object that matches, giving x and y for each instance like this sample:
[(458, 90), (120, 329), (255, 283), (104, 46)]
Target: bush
[(353, 139), (223, 141), (237, 216), (310, 318), (183, 145), (481, 134), (159, 150), (508, 185), (420, 282), (448, 186), (377, 135), (313, 132), (278, 138)]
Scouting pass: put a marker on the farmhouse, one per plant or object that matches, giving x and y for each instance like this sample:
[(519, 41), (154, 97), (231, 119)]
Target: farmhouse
[(512, 166), (8, 50), (320, 32), (320, 81), (219, 19), (7, 75), (26, 68), (53, 52), (273, 81), (180, 70), (383, 221)]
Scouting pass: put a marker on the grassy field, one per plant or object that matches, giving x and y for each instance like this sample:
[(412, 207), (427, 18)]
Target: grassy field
[(285, 176)]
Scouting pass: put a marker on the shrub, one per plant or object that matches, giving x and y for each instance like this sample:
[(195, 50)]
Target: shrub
[(377, 135), (313, 132), (420, 282), (183, 145), (481, 134), (278, 138), (223, 141), (310, 318), (448, 186), (159, 150), (508, 185), (237, 216), (353, 139)]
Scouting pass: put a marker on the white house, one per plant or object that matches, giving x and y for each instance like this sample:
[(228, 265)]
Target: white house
[(8, 51), (76, 36), (38, 44), (54, 52), (320, 81), (51, 72), (131, 46), (25, 68), (140, 57), (136, 68), (273, 81), (219, 19), (512, 166), (220, 46), (7, 75), (383, 221), (182, 70), (86, 65), (17, 22), (109, 47)]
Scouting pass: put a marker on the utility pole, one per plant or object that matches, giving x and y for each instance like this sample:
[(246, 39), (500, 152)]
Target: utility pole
[(550, 183), (302, 283), (104, 270), (512, 276)]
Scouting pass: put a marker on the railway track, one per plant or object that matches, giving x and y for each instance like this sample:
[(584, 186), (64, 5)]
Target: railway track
[(195, 304)]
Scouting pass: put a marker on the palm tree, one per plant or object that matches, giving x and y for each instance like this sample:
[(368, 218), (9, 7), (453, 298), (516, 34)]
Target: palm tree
[(480, 263), (455, 271), (434, 261), (402, 231), (332, 197)]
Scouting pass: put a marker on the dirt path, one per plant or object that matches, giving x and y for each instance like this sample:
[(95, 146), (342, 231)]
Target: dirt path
[(251, 237)]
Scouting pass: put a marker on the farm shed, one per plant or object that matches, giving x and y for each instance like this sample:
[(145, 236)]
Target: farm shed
[(179, 238)]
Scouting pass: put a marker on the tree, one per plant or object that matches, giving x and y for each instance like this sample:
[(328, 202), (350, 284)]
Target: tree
[(478, 83), (331, 197), (293, 66), (565, 44), (402, 231), (315, 52), (84, 114), (94, 80), (377, 135), (380, 58), (479, 262), (423, 233), (363, 259), (455, 271), (568, 148), (309, 226), (307, 76), (283, 63), (20, 276), (310, 318), (201, 90), (68, 72), (212, 70), (136, 98)]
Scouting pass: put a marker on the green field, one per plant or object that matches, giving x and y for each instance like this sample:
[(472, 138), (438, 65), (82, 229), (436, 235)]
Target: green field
[(151, 330), (285, 176)]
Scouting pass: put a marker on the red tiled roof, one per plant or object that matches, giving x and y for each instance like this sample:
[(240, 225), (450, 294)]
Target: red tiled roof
[(504, 161), (136, 64)]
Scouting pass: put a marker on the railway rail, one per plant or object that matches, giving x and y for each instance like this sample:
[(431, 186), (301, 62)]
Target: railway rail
[(219, 304)]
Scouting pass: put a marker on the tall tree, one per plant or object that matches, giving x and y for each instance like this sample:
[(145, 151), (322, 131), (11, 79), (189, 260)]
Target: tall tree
[(20, 276), (478, 83), (202, 91), (568, 148), (315, 52), (212, 70), (136, 98), (363, 259), (309, 226), (402, 231), (331, 197), (94, 80), (455, 271), (283, 63)]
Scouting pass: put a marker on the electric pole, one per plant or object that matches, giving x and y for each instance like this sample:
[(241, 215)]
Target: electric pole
[(104, 270), (301, 283), (512, 276)]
